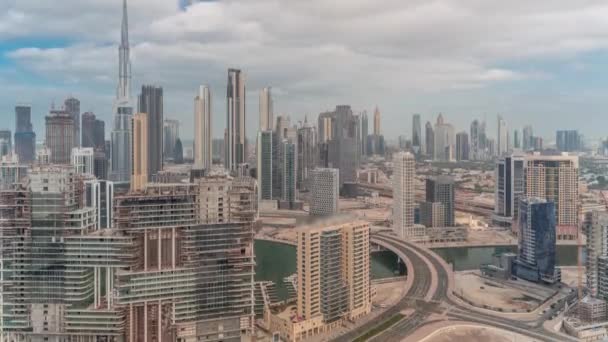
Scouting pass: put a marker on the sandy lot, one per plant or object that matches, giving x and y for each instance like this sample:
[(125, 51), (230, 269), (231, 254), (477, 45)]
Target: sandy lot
[(476, 334), (483, 292), (388, 294)]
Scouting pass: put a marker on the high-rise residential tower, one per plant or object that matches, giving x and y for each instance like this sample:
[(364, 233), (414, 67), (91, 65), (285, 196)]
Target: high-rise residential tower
[(441, 189), (83, 160), (202, 129), (25, 138), (377, 121), (325, 191), (235, 137), (502, 137), (307, 153), (59, 137), (596, 230), (567, 140), (266, 109), (338, 148), (139, 176), (537, 243), (476, 147), (404, 172), (170, 137), (265, 168), (429, 136), (462, 146), (527, 138), (445, 140), (72, 106), (364, 133), (123, 109), (510, 187), (416, 134), (150, 101)]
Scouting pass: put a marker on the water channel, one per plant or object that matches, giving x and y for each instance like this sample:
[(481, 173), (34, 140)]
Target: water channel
[(276, 261)]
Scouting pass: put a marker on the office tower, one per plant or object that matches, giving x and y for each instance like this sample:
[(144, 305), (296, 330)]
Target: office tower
[(462, 146), (59, 136), (289, 160), (333, 271), (510, 187), (516, 139), (235, 135), (202, 129), (404, 172), (429, 136), (502, 137), (99, 194), (441, 189), (123, 109), (416, 134), (25, 138), (476, 146), (527, 137), (140, 125), (170, 136), (226, 199), (151, 103), (555, 178), (6, 143), (307, 153), (83, 160), (339, 149), (432, 214), (324, 192), (72, 106), (364, 133), (266, 109), (265, 168), (444, 140), (92, 132), (376, 121), (100, 164), (567, 140), (596, 230), (536, 244), (178, 152)]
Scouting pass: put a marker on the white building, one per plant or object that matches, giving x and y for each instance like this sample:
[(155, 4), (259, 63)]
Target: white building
[(325, 192), (202, 129), (502, 140), (83, 160), (266, 109), (404, 172)]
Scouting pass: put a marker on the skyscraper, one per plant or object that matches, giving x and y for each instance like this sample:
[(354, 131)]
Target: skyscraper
[(6, 143), (567, 140), (536, 245), (289, 160), (265, 168), (139, 176), (170, 137), (333, 276), (307, 153), (364, 133), (59, 136), (83, 160), (202, 129), (150, 101), (502, 137), (462, 146), (527, 137), (555, 178), (92, 131), (235, 145), (516, 139), (416, 134), (266, 109), (510, 187), (445, 140), (404, 172), (377, 121), (476, 146), (325, 192), (596, 230), (441, 189), (429, 136), (339, 142), (123, 109), (72, 106), (25, 138)]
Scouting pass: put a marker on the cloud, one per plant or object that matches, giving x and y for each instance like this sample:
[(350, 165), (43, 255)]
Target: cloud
[(319, 53)]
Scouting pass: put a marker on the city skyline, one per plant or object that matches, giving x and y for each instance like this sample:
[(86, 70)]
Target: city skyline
[(524, 86)]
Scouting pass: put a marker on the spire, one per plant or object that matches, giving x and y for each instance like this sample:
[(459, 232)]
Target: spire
[(124, 64)]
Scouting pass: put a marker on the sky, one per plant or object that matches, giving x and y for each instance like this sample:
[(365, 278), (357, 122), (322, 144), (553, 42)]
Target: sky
[(543, 63)]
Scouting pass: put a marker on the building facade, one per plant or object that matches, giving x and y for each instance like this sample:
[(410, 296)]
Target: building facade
[(404, 173), (441, 189), (72, 106), (338, 147), (235, 136), (59, 136), (170, 137), (266, 109), (25, 138), (462, 146), (150, 101), (83, 160), (324, 192), (139, 176), (510, 187), (203, 156)]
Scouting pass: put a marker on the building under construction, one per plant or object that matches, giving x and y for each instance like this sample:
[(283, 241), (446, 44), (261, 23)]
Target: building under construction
[(160, 274)]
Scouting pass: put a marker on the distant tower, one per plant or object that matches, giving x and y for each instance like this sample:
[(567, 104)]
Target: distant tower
[(123, 109), (509, 188), (235, 144), (307, 153), (266, 109), (265, 165), (25, 138), (83, 160), (441, 189), (403, 189), (202, 129), (416, 134), (170, 137), (429, 136), (502, 137), (462, 146), (72, 106), (59, 136), (139, 177), (376, 122), (596, 227), (150, 101), (364, 133), (325, 192)]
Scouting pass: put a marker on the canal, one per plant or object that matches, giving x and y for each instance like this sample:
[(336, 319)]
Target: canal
[(276, 261)]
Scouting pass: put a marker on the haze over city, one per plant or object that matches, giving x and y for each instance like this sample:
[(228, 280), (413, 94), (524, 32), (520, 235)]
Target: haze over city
[(540, 63)]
